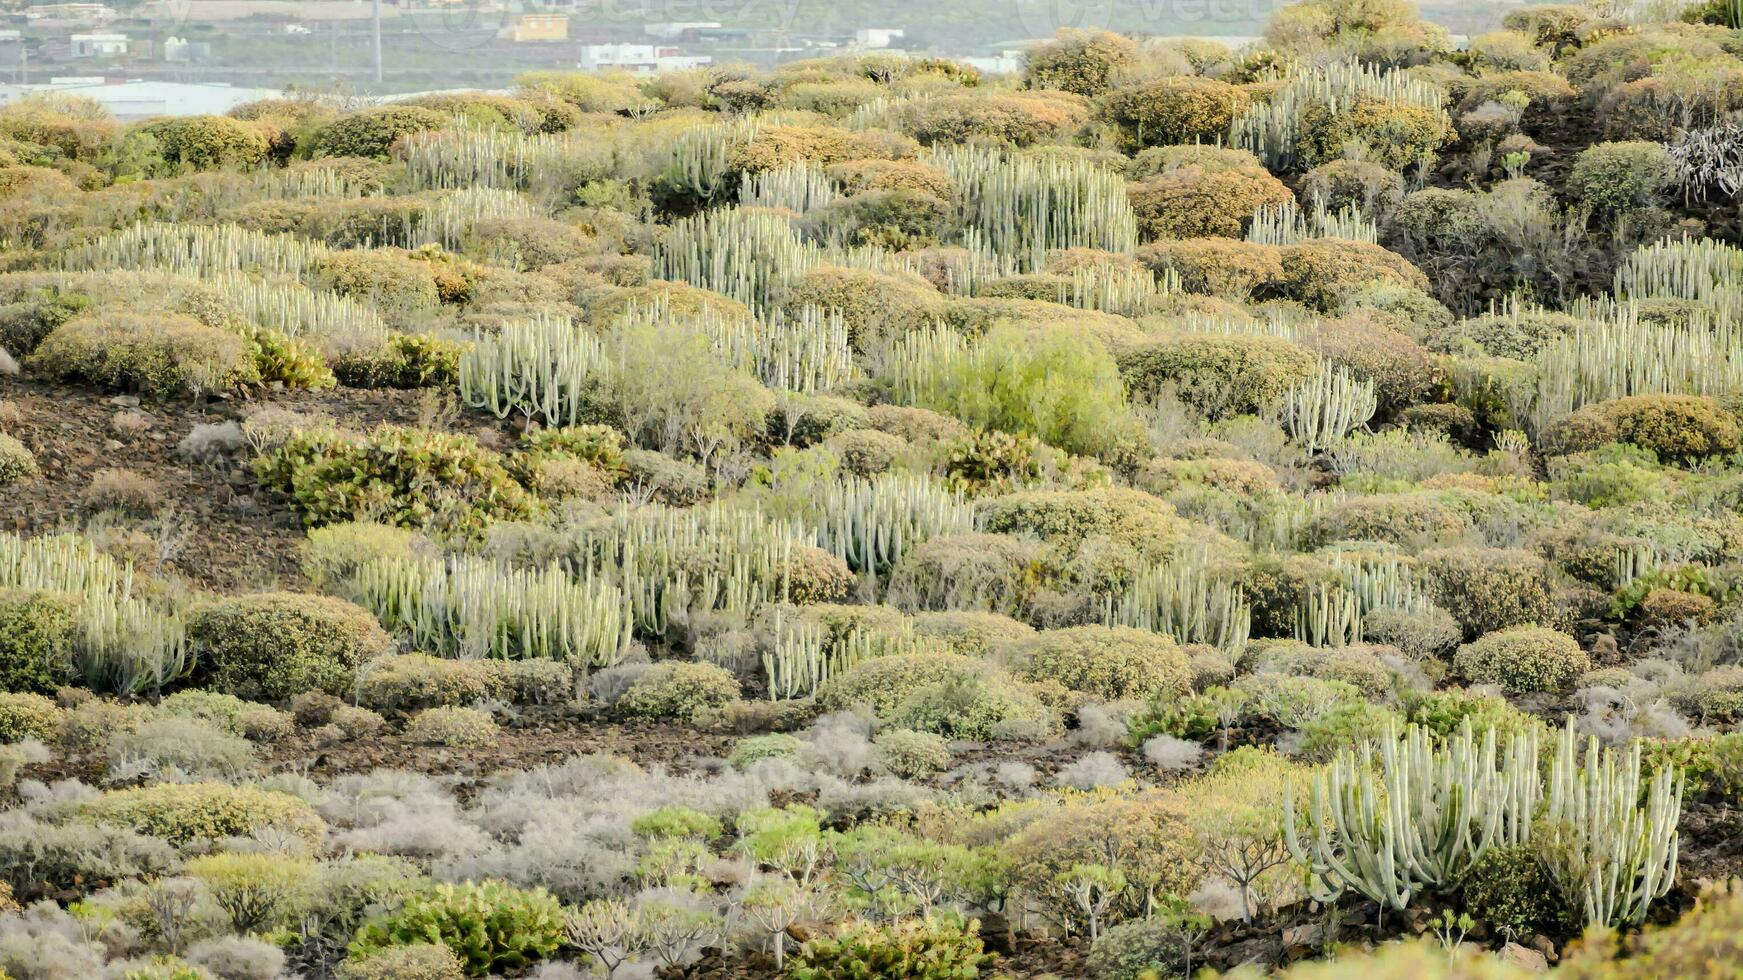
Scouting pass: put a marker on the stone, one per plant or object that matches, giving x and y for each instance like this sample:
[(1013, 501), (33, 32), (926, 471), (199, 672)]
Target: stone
[(1528, 959)]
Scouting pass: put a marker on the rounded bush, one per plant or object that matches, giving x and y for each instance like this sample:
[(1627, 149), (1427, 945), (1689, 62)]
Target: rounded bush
[(158, 355), (1017, 119), (1318, 271), (1512, 890), (184, 812), (1617, 178), (876, 306), (1216, 266), (1085, 62), (1519, 334), (1112, 663), (985, 704), (1175, 109), (1190, 201), (491, 927), (455, 728), (417, 961), (1218, 375), (1410, 519), (386, 277), (1675, 427), (17, 462), (866, 452), (1397, 134), (1141, 948), (37, 630), (755, 748), (372, 132), (1524, 658), (1372, 187), (1068, 518), (971, 634), (679, 692), (24, 715), (276, 645), (933, 946), (992, 572), (883, 682), (1487, 589), (209, 142), (912, 755)]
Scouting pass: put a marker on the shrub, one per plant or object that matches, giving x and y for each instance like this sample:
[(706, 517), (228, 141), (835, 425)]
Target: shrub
[(980, 705), (1373, 188), (912, 755), (417, 961), (1146, 947), (331, 555), (1517, 334), (1674, 427), (279, 644), (185, 812), (1142, 835), (406, 361), (37, 632), (679, 692), (998, 573), (208, 142), (876, 306), (929, 948), (969, 633), (1085, 62), (1619, 178), (1112, 663), (1524, 658), (1014, 119), (1419, 633), (883, 682), (866, 452), (1488, 589), (1396, 134), (1217, 266), (1318, 272), (16, 461), (1411, 519), (24, 715), (388, 278), (1218, 375), (755, 748), (189, 747), (1176, 109), (456, 728), (158, 355), (1512, 889), (407, 477), (1190, 201), (1336, 729), (491, 927), (372, 132)]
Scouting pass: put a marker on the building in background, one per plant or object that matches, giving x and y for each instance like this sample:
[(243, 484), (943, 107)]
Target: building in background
[(639, 59), (97, 45), (875, 37), (538, 27), (132, 100)]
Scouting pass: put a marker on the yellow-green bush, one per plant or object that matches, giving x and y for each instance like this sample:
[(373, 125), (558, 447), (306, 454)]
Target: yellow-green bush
[(1085, 62), (679, 692), (856, 176), (1014, 119), (1109, 662), (276, 645), (1524, 658), (1618, 178), (1675, 427), (387, 277), (1224, 267), (37, 631), (1397, 134), (1414, 519), (185, 812), (452, 727), (373, 132), (159, 355), (877, 306), (1190, 201), (24, 715), (1488, 589), (1177, 109), (17, 462), (1218, 375), (208, 142), (1319, 271)]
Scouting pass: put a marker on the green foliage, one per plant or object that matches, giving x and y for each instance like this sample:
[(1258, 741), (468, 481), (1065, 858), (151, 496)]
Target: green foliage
[(452, 727), (182, 813), (156, 355), (373, 132), (1218, 375), (279, 644), (17, 462), (1511, 889), (490, 926), (679, 692), (24, 715), (1523, 658), (912, 755), (935, 947), (36, 640), (1619, 178), (1112, 663)]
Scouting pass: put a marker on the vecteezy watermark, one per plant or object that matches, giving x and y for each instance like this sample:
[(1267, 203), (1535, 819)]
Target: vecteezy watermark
[(1044, 18)]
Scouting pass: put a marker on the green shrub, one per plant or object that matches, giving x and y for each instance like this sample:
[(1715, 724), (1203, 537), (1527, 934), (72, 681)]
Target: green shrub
[(1319, 271), (1396, 134), (418, 961), (1674, 427), (455, 728), (332, 554), (935, 947), (389, 278), (882, 682), (1344, 725), (1412, 519), (407, 477), (277, 645), (37, 631), (1444, 712), (1147, 947), (1192, 201), (408, 360), (158, 355), (1222, 267), (971, 634), (24, 715), (755, 748), (1176, 109), (1420, 633), (1218, 375), (912, 755), (985, 704), (679, 692), (1619, 178), (208, 142), (1524, 658), (1487, 589), (16, 461), (372, 132), (184, 812), (1087, 63), (1112, 663), (1513, 890), (490, 926)]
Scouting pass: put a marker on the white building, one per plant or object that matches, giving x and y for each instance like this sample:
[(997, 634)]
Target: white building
[(98, 45), (639, 59), (875, 37), (1004, 63), (129, 101), (672, 30)]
